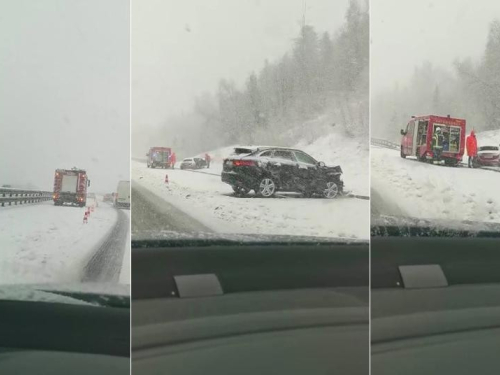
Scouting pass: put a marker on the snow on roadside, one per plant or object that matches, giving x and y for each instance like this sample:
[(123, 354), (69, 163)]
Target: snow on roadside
[(411, 188), (207, 199), (43, 243)]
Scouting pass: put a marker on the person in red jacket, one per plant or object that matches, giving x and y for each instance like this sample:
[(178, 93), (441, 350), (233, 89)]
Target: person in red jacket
[(207, 159), (471, 145), (173, 159)]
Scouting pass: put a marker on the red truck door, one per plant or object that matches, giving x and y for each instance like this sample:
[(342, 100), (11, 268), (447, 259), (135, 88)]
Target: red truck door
[(407, 141)]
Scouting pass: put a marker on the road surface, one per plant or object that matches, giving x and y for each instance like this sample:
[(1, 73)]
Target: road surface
[(151, 213), (42, 243)]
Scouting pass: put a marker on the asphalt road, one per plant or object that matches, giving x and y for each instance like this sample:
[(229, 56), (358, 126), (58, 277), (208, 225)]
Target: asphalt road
[(151, 213), (106, 263)]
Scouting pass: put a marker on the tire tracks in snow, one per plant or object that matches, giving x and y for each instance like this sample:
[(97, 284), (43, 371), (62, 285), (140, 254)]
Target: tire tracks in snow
[(106, 262)]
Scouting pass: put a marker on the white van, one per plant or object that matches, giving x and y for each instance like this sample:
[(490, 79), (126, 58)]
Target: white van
[(122, 195)]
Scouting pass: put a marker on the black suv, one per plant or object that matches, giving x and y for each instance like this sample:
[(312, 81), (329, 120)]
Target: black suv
[(267, 170)]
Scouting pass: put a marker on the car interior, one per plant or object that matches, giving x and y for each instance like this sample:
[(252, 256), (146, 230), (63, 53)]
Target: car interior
[(214, 307), (60, 338), (435, 301)]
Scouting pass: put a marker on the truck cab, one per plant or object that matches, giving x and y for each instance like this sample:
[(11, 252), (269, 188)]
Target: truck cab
[(70, 186), (417, 139), (159, 157)]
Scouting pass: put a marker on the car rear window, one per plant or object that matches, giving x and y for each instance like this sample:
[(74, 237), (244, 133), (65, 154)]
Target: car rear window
[(267, 154), (242, 150), (488, 148)]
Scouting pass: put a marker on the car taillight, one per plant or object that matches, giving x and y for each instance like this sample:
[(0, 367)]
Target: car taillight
[(243, 163)]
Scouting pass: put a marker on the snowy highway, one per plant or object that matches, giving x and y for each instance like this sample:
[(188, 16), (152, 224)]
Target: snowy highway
[(409, 188), (43, 243), (200, 201)]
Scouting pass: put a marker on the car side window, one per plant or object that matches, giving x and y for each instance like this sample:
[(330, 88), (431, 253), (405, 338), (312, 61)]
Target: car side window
[(267, 154), (304, 158), (281, 154)]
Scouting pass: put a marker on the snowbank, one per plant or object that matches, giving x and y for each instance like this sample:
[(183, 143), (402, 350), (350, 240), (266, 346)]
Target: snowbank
[(47, 244), (406, 187)]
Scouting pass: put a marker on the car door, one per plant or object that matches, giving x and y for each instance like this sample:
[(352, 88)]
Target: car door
[(284, 163), (306, 167)]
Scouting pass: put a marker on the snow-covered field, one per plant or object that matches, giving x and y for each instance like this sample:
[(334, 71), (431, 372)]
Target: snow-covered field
[(414, 189), (206, 198), (43, 243)]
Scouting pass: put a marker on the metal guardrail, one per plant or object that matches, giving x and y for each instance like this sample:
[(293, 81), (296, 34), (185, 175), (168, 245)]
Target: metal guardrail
[(386, 144), (14, 197)]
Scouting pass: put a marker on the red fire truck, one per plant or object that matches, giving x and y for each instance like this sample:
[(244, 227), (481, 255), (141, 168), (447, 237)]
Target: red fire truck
[(159, 157), (418, 136), (70, 186)]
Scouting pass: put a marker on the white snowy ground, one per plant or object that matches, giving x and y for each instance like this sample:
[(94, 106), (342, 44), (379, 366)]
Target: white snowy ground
[(205, 197), (42, 243), (414, 189)]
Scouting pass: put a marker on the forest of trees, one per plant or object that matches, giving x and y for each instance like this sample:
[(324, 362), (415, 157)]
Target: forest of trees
[(322, 76), (470, 90)]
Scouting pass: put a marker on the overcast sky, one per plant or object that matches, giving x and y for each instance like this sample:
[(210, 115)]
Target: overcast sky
[(405, 33), (64, 90), (182, 48)]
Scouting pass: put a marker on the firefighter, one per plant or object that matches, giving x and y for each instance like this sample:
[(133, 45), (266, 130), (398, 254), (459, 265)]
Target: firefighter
[(437, 144), (207, 159), (471, 145), (173, 159)]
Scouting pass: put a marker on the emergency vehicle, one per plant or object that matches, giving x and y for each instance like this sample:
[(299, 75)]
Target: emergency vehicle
[(159, 157), (424, 133), (70, 186)]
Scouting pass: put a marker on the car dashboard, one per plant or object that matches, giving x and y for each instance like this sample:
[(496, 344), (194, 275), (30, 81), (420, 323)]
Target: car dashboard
[(250, 309)]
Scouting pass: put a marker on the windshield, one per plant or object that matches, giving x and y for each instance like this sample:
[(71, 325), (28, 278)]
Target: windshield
[(436, 171), (64, 147), (296, 88)]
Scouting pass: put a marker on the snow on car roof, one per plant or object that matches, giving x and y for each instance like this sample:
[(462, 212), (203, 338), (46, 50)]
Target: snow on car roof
[(261, 148)]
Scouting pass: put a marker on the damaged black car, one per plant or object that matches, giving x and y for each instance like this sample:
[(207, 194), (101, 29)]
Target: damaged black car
[(267, 170)]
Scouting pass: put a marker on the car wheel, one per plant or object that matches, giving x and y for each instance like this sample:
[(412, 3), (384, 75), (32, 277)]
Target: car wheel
[(331, 191), (266, 187)]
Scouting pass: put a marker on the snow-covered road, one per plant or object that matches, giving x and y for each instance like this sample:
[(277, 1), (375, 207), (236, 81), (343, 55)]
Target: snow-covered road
[(202, 195), (43, 243), (406, 187)]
